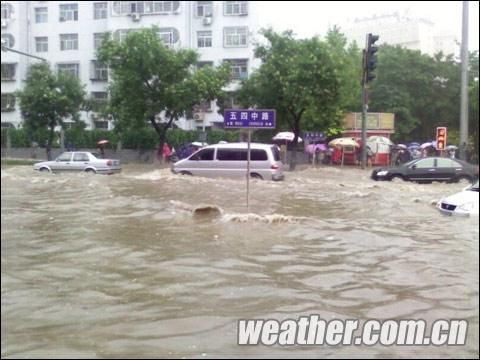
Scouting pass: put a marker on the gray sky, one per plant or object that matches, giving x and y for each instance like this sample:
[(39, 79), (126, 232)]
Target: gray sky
[(309, 18)]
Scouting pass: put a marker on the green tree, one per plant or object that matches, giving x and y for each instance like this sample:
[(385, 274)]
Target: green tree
[(348, 62), (422, 91), (296, 76), (48, 98), (149, 79)]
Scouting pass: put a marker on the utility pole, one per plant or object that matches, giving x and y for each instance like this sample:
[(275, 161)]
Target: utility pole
[(464, 85)]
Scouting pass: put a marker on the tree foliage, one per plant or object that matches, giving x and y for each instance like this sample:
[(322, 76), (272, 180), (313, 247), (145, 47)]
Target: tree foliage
[(424, 92), (149, 79), (48, 98), (296, 77)]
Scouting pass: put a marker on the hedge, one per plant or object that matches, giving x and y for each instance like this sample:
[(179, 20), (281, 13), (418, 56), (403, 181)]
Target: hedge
[(144, 139)]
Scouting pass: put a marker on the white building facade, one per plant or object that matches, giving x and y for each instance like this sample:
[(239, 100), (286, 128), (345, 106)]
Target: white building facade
[(405, 31), (67, 34)]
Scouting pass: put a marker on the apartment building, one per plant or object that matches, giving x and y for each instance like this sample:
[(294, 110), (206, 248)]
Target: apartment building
[(403, 30), (67, 34)]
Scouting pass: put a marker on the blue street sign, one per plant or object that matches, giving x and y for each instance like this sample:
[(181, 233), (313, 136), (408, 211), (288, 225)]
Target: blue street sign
[(249, 119), (314, 136)]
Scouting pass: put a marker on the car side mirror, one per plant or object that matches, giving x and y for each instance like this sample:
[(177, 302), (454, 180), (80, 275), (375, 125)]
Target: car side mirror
[(414, 166)]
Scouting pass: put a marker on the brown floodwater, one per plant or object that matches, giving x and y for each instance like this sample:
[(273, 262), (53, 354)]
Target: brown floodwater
[(123, 266)]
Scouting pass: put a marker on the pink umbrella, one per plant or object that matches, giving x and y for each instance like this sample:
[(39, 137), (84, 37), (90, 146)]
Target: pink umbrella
[(103, 142)]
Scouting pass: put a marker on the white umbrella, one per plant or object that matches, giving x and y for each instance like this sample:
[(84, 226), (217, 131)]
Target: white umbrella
[(285, 136), (346, 141), (380, 140), (379, 144), (428, 144)]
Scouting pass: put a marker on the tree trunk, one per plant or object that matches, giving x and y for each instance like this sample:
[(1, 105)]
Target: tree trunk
[(160, 129)]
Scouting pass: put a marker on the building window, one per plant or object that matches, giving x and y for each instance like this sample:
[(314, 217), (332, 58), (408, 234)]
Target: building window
[(239, 68), (8, 72), (8, 102), (169, 36), (69, 69), (121, 34), (100, 96), (230, 101), (204, 39), (98, 71), (145, 7), (204, 8), (68, 41), (236, 8), (7, 10), (202, 64), (8, 40), (100, 10), (69, 12), (41, 44), (99, 99), (101, 124), (97, 40), (41, 15), (235, 36)]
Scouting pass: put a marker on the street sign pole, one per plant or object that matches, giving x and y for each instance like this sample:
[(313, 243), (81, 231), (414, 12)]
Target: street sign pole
[(248, 167), (249, 119)]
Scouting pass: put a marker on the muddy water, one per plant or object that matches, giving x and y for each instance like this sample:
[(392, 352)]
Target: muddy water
[(122, 266)]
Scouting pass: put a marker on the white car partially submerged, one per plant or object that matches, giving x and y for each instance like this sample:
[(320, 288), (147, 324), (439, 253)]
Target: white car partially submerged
[(463, 203), (79, 161)]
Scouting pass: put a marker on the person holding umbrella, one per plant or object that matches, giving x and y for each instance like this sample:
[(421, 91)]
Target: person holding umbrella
[(101, 147)]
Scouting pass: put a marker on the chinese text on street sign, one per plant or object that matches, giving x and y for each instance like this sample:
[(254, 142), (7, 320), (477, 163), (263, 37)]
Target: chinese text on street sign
[(249, 119)]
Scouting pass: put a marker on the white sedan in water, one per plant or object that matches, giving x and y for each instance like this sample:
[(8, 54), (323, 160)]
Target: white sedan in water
[(463, 203), (79, 161)]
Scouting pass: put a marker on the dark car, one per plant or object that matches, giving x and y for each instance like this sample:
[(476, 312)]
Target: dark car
[(429, 169)]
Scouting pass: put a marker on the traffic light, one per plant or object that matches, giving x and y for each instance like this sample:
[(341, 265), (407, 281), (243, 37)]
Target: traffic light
[(441, 138), (371, 57)]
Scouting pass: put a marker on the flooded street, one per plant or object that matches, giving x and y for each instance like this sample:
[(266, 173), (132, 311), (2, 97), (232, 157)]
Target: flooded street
[(121, 266)]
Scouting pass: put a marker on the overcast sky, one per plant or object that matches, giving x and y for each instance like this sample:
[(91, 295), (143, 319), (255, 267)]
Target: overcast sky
[(309, 18)]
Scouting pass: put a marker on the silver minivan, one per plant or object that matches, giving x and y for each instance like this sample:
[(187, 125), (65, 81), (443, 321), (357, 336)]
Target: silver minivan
[(230, 160)]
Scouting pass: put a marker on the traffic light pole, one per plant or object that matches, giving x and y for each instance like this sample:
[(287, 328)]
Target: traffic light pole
[(363, 154), (364, 126), (369, 65)]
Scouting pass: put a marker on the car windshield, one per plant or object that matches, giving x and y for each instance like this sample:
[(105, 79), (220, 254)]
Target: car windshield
[(410, 162)]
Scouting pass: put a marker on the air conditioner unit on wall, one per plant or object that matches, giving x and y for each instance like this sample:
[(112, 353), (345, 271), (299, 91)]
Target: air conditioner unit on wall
[(136, 16), (4, 23), (207, 20), (198, 116)]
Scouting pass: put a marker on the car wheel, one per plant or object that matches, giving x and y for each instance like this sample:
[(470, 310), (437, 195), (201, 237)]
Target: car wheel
[(90, 171), (44, 169), (397, 178), (256, 176), (186, 173), (465, 180)]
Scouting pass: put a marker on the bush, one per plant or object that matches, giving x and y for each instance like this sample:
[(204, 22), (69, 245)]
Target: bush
[(4, 137), (18, 138), (177, 137), (144, 139), (87, 139)]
